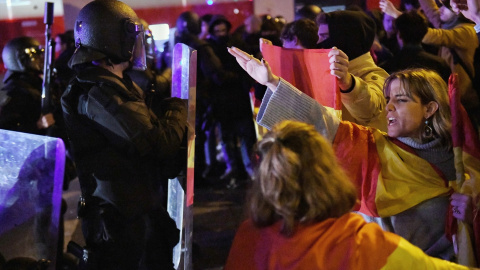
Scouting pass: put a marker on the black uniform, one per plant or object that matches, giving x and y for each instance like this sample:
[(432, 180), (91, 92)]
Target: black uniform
[(123, 151), (20, 102)]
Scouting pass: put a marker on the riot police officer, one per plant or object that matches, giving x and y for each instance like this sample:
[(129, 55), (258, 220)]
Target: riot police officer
[(20, 98), (121, 148)]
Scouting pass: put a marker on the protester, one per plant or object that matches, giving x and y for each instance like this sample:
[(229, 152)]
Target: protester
[(299, 213), (386, 167), (411, 28)]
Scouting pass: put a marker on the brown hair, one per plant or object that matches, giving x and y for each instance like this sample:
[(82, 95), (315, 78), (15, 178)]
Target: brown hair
[(428, 86), (298, 179), (305, 30)]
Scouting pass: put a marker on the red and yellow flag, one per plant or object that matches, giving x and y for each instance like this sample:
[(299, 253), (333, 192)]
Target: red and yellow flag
[(306, 69), (385, 191), (347, 242), (466, 147)]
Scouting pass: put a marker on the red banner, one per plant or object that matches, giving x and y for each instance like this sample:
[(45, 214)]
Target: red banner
[(306, 69)]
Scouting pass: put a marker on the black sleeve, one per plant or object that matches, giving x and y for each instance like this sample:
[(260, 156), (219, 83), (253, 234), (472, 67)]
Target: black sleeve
[(19, 112), (132, 126), (211, 66)]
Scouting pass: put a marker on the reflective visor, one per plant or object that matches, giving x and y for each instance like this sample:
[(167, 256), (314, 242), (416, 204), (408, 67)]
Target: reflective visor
[(34, 52), (139, 59)]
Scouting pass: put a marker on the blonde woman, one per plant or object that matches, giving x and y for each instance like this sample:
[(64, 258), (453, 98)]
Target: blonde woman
[(300, 214), (404, 175)]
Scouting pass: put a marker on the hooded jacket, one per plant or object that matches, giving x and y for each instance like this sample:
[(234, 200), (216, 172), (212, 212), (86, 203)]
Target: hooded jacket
[(353, 32)]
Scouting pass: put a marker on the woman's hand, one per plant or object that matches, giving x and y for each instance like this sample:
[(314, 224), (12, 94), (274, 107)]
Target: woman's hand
[(462, 207), (339, 67), (258, 70), (388, 8)]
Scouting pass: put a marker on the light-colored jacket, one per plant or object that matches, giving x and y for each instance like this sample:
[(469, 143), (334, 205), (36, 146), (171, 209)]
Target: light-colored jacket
[(365, 104), (463, 39)]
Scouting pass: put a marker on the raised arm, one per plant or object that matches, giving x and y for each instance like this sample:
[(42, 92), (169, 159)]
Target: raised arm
[(432, 12), (258, 70), (469, 8), (283, 101), (387, 7)]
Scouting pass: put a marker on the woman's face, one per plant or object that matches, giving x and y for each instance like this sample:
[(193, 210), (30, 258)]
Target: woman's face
[(405, 116)]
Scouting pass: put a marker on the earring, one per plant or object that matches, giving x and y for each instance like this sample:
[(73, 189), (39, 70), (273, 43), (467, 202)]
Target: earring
[(428, 131)]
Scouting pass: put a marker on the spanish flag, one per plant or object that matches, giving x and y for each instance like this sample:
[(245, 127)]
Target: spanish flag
[(347, 242), (466, 147), (408, 179), (385, 191)]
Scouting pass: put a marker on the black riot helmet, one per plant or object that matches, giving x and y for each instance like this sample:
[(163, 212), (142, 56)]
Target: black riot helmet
[(108, 29), (23, 54)]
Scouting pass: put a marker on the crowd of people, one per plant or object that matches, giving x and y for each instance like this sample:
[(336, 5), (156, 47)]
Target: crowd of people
[(391, 154)]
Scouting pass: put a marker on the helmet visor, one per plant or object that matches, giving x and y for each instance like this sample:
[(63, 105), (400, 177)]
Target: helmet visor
[(35, 57), (150, 48), (139, 59)]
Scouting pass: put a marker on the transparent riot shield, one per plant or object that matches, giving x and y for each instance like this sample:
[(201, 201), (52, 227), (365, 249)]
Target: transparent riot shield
[(180, 189), (31, 177)]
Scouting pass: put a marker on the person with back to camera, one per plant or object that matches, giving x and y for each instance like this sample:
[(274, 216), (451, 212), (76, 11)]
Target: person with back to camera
[(412, 27), (387, 167), (300, 34), (123, 151), (455, 36), (299, 213)]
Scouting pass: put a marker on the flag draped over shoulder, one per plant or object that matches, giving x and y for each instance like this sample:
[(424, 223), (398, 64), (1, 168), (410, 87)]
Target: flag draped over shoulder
[(306, 69), (347, 242), (466, 148), (389, 176), (343, 243)]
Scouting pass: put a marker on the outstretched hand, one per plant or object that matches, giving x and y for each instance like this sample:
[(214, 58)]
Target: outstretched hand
[(258, 70)]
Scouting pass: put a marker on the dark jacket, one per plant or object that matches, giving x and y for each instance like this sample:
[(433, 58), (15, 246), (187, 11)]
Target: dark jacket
[(20, 102), (411, 56), (121, 148), (64, 72), (231, 96)]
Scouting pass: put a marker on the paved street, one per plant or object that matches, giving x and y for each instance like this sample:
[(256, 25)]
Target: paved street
[(217, 213)]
